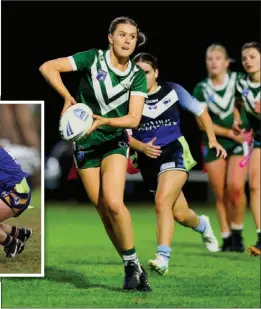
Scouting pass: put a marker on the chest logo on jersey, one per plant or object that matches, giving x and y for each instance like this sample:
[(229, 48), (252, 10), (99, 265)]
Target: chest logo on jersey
[(165, 102), (101, 75), (211, 98), (153, 106), (245, 92)]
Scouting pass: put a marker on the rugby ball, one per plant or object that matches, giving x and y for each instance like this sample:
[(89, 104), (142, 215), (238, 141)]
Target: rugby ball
[(75, 122)]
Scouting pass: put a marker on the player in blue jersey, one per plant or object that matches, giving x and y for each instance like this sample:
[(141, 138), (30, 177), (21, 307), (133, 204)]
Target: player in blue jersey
[(164, 158), (15, 196)]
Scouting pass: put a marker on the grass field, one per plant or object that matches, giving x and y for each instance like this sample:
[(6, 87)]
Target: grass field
[(83, 270), (29, 262)]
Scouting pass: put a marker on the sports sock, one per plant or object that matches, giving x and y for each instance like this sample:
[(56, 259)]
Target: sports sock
[(226, 235), (15, 231), (8, 241), (130, 255), (202, 226), (164, 251), (236, 229)]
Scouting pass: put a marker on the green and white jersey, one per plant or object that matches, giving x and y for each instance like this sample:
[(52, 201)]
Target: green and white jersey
[(105, 89), (249, 92), (220, 101)]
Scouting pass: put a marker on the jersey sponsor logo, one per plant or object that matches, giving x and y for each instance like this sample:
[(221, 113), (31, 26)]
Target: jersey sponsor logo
[(122, 144), (154, 124), (167, 166), (152, 101), (101, 75), (80, 155), (80, 114)]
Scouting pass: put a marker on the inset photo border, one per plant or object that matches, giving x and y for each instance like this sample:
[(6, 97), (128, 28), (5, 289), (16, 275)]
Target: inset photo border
[(22, 188)]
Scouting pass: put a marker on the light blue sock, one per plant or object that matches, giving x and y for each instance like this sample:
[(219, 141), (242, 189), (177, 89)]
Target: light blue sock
[(202, 226), (164, 251)]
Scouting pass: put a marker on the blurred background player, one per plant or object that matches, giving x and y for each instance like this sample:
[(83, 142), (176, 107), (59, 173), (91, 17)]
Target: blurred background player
[(217, 93), (15, 196), (115, 88), (248, 97), (165, 165), (20, 126)]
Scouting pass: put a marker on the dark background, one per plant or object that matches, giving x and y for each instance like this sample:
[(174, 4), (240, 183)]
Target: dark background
[(178, 34)]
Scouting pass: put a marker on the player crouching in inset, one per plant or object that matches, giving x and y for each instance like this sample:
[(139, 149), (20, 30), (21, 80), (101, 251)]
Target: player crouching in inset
[(15, 196)]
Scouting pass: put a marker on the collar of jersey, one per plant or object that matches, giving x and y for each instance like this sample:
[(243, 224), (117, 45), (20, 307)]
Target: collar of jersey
[(116, 71), (151, 93), (251, 84), (219, 87)]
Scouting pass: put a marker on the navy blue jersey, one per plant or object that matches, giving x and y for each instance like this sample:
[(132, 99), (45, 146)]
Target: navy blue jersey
[(10, 171), (161, 114)]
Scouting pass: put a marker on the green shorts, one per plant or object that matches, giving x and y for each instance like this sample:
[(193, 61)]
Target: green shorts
[(18, 197), (211, 154), (92, 156), (257, 140)]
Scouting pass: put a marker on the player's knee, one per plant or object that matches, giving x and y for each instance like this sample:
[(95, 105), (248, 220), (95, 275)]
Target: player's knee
[(160, 204), (220, 202), (115, 206), (235, 193), (180, 216)]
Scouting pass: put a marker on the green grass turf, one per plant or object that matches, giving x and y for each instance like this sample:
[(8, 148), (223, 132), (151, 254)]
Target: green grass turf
[(83, 270), (29, 262)]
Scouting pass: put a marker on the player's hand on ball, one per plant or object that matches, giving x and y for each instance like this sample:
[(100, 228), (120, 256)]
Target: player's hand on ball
[(67, 103), (151, 150), (221, 152), (98, 122)]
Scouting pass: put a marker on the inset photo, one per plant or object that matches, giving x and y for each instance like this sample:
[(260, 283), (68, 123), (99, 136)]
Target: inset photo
[(21, 189)]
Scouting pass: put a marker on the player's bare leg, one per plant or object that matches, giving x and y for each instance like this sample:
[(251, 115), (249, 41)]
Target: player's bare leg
[(217, 178), (12, 245), (92, 183), (236, 178), (183, 214), (254, 184), (113, 175), (8, 127), (187, 217), (26, 124), (170, 184)]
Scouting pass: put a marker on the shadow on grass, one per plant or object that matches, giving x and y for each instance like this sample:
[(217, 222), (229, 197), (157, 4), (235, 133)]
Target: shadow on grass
[(88, 262), (75, 278)]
